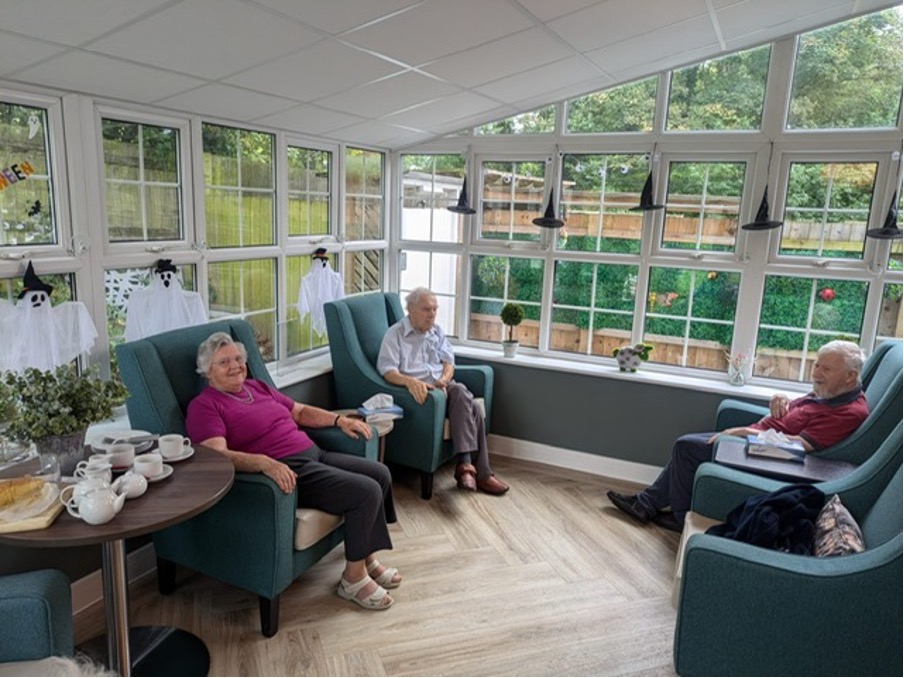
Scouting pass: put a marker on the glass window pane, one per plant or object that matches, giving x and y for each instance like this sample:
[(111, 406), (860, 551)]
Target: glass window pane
[(689, 316), (439, 273), (363, 271), (720, 94), (239, 187), (827, 209), (598, 192), (849, 75), (363, 194), (593, 307), (890, 313), (143, 187), (430, 184), (496, 280), (702, 205), (300, 334), (246, 289), (626, 108), (309, 191), (514, 194), (541, 121), (26, 210), (801, 314)]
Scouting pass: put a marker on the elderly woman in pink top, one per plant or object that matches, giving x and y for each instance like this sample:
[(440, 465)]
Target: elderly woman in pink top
[(256, 427)]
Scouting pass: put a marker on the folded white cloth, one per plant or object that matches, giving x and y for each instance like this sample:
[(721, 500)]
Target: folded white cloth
[(773, 437)]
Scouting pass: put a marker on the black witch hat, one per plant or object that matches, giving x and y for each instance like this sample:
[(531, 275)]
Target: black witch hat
[(889, 230), (549, 218), (165, 265), (462, 207), (646, 197), (33, 283), (762, 222)]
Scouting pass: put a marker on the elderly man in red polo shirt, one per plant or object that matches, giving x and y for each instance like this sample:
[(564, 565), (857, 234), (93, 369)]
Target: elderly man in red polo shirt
[(828, 414)]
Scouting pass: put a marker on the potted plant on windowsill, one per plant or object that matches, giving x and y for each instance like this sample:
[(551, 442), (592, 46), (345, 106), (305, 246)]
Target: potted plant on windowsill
[(53, 409), (512, 314)]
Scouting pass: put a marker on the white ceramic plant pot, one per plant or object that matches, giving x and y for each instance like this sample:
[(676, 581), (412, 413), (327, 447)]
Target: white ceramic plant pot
[(509, 349)]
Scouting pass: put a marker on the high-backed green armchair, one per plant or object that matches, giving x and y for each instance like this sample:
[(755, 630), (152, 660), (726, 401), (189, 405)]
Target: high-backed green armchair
[(255, 537), (356, 326), (882, 386), (746, 610), (36, 609)]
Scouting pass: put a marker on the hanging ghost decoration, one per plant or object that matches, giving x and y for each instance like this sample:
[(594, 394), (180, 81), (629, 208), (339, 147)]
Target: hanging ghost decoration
[(320, 285), (38, 334), (163, 305)]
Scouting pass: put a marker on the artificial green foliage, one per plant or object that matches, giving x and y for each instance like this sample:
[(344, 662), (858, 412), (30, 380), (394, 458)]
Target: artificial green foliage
[(512, 315), (59, 402)]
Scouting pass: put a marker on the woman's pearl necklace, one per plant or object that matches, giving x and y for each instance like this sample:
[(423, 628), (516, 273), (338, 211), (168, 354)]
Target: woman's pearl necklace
[(247, 399)]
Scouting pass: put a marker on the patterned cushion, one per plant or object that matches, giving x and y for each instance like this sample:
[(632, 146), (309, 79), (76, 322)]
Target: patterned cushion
[(837, 533)]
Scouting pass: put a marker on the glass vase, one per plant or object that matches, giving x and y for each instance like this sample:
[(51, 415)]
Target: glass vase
[(69, 449), (737, 376)]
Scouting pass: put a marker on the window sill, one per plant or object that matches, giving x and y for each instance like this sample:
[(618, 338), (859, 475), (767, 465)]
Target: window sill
[(762, 389), (293, 373)]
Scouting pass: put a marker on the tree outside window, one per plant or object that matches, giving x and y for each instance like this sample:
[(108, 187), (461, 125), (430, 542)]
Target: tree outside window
[(246, 289), (626, 108), (541, 121), (496, 280)]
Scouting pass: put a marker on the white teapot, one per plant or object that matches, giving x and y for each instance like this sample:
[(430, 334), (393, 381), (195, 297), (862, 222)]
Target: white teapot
[(130, 485), (72, 494), (98, 505)]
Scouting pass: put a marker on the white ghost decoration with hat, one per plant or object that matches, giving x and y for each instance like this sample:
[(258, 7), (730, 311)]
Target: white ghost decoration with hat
[(163, 305), (320, 285), (38, 334)]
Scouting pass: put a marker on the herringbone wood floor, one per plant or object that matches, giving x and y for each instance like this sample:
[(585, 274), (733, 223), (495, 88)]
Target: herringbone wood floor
[(548, 580)]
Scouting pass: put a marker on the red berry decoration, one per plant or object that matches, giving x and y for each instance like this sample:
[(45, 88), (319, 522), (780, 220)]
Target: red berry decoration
[(827, 294)]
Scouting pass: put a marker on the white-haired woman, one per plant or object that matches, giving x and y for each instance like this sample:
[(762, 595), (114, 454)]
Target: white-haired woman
[(256, 427)]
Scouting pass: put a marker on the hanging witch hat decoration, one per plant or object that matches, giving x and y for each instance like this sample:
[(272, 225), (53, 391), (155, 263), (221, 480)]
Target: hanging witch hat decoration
[(549, 218), (646, 197), (33, 283), (889, 230), (164, 265), (462, 207), (762, 222)]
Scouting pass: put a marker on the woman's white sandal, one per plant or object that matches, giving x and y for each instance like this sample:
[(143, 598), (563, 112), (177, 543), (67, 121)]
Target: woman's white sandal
[(374, 601), (387, 578)]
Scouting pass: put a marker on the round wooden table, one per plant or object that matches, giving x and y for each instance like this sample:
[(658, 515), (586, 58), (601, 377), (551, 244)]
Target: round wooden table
[(195, 485)]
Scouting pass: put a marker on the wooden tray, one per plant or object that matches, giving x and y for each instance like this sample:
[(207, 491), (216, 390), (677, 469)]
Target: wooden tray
[(38, 522)]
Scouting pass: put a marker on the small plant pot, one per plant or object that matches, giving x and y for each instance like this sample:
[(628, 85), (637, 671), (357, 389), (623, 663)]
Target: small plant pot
[(509, 349)]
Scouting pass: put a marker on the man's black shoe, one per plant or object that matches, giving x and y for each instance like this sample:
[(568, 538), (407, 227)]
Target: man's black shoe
[(667, 520), (630, 505)]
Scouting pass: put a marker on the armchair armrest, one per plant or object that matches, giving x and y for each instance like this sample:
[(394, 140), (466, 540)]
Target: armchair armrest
[(719, 489), (732, 413), (334, 439), (37, 611)]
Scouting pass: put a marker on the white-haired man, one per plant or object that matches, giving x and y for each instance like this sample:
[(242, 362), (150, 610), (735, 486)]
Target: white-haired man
[(416, 354), (828, 414)]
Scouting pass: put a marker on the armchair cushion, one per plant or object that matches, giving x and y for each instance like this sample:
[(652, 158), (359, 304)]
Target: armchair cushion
[(837, 533), (36, 608)]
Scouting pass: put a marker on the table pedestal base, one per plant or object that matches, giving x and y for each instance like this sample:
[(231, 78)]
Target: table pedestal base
[(158, 651)]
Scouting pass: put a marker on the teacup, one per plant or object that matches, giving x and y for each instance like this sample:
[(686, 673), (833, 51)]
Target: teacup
[(119, 455), (131, 484), (172, 445), (71, 495), (149, 465), (98, 505), (94, 468)]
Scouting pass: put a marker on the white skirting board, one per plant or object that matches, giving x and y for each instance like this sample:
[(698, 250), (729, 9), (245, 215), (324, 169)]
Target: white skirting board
[(570, 459), (90, 589)]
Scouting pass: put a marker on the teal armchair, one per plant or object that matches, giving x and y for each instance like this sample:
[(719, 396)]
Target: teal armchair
[(36, 609), (248, 538), (745, 610), (356, 326), (882, 385)]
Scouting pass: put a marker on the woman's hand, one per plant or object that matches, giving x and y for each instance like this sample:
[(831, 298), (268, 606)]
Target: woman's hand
[(281, 474), (352, 427)]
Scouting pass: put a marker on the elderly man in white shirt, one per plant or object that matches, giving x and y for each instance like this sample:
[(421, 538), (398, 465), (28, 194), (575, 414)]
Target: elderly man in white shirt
[(416, 354)]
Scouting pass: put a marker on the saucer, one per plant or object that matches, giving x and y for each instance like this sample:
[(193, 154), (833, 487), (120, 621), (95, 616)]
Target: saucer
[(166, 473), (103, 443), (186, 453)]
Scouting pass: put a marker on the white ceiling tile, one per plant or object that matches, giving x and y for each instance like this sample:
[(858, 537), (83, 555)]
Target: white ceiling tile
[(443, 110), (372, 132), (548, 77), (17, 53), (323, 69), (227, 102), (334, 17), (207, 38), (309, 119), (545, 10), (71, 23), (438, 27), (611, 22), (95, 74), (389, 95), (504, 57)]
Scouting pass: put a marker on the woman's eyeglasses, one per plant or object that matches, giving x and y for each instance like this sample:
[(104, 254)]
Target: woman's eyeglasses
[(226, 362)]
